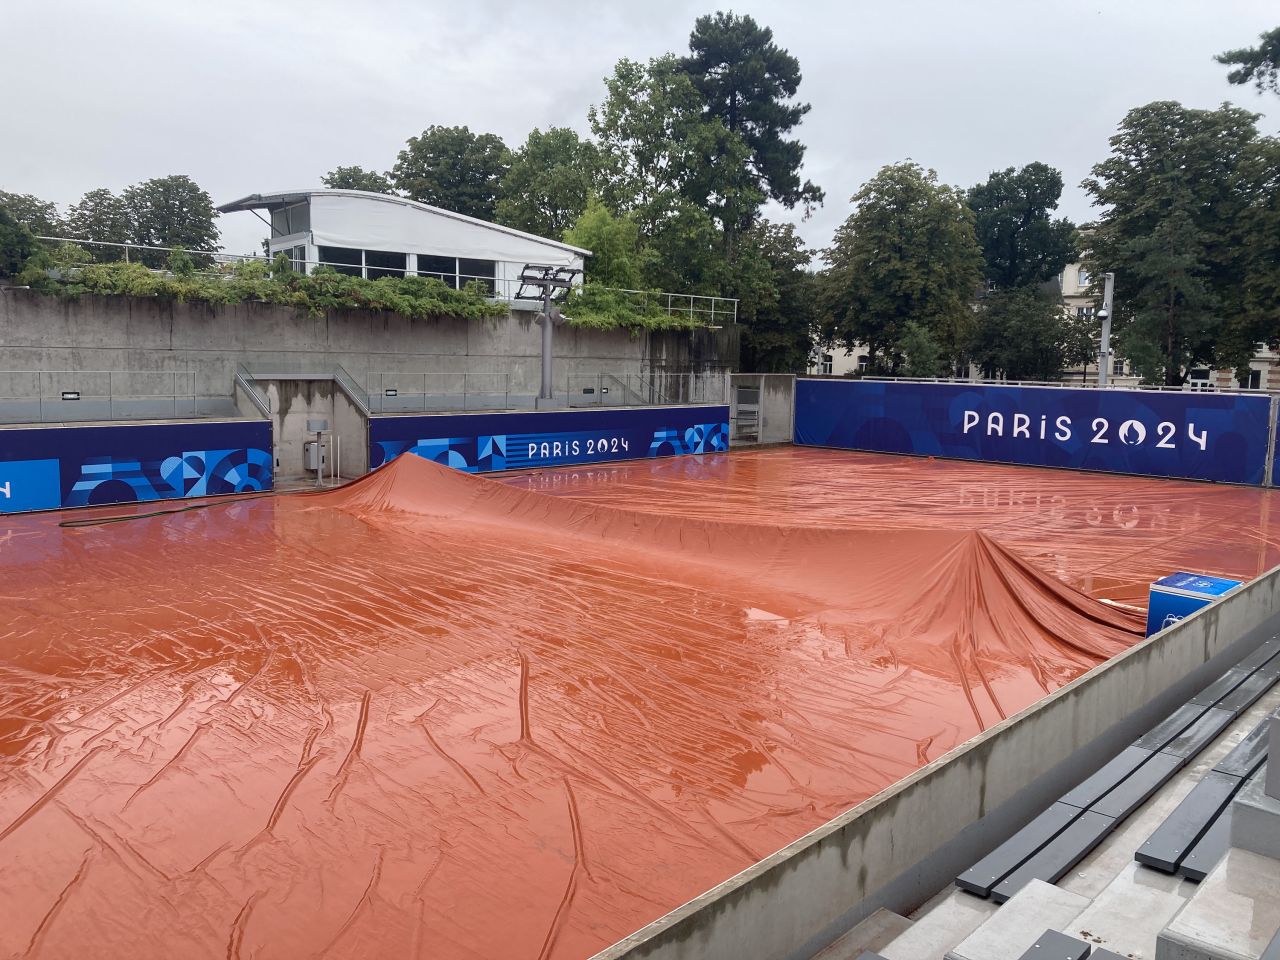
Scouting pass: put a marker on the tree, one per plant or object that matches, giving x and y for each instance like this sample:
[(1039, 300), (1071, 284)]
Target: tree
[(548, 184), (1257, 317), (17, 243), (1023, 334), (1176, 191), (614, 242), (749, 83), (454, 169), (776, 299), (1260, 64), (907, 253), (40, 216), (1021, 242), (100, 216), (656, 147), (357, 178), (921, 355), (170, 212)]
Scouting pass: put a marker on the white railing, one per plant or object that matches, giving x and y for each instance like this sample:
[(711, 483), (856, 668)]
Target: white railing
[(712, 311), (1191, 386)]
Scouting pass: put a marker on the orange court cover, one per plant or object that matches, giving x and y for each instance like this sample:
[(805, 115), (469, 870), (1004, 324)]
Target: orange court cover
[(446, 716)]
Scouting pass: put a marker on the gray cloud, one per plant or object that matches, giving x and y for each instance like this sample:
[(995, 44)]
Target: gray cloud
[(248, 96)]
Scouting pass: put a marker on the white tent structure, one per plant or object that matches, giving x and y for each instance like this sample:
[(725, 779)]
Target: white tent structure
[(375, 235)]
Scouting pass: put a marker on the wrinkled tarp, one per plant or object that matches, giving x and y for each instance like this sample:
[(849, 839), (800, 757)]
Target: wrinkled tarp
[(438, 715)]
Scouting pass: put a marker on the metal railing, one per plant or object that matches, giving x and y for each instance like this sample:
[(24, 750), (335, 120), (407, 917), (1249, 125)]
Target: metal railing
[(1191, 386), (50, 396), (424, 392), (348, 384), (635, 390), (710, 310), (246, 381)]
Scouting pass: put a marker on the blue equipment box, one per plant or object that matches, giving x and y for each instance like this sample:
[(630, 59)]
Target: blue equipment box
[(1181, 594)]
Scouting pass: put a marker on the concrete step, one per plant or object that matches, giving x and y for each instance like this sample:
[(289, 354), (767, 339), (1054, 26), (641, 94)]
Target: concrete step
[(871, 934), (1130, 912), (939, 925), (1014, 927), (1232, 915)]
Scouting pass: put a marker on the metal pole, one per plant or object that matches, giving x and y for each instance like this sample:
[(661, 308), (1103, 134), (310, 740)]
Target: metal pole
[(1104, 349), (547, 392)]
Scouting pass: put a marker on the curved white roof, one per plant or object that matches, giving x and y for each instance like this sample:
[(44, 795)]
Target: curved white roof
[(360, 218)]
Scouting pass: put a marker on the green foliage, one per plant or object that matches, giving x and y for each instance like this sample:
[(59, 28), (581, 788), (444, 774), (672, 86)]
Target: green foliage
[(749, 83), (103, 217), (40, 217), (453, 168), (17, 243), (1178, 193), (321, 291), (907, 254), (656, 147), (180, 264), (1260, 64), (1024, 334), (614, 242), (546, 189), (1021, 242), (171, 212), (357, 178), (777, 299), (597, 307), (921, 354)]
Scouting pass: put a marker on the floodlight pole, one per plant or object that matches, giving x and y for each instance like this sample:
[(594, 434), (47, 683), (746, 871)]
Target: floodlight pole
[(1104, 347), (547, 392)]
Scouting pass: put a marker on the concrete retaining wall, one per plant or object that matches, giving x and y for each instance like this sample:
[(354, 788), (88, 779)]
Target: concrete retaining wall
[(901, 846), (45, 333)]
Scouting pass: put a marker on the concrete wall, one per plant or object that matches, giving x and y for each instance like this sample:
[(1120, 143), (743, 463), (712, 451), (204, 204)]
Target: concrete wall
[(46, 333), (909, 841), (352, 428), (777, 403)]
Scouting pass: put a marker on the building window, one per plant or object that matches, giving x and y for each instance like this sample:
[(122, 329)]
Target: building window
[(1253, 381), (1082, 278), (828, 363), (343, 259), (1084, 313), (481, 271), (864, 361), (382, 263), (1117, 368), (442, 268), (290, 220)]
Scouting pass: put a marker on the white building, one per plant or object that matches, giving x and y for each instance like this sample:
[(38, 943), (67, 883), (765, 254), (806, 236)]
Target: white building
[(375, 235)]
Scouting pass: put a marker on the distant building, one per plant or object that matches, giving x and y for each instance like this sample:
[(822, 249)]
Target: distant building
[(375, 235)]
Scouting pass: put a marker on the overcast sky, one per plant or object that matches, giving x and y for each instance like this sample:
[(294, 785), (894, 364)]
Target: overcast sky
[(246, 97)]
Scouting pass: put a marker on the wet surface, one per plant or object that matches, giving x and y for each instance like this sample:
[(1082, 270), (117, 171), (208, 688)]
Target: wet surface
[(443, 716)]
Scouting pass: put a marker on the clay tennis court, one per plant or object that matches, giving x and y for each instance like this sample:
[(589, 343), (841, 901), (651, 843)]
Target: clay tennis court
[(439, 715)]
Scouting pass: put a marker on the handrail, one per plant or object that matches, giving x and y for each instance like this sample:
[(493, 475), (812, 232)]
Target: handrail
[(259, 399), (351, 387)]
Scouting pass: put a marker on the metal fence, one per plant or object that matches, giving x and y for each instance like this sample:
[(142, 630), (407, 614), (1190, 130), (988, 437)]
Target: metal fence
[(1191, 386), (713, 311), (52, 396)]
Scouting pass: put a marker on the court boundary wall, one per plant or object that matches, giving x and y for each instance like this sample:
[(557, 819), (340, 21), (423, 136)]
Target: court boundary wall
[(899, 847), (1217, 436), (483, 442), (51, 467)]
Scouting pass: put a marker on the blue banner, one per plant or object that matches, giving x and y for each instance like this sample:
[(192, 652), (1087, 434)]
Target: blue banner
[(1201, 436), (481, 442), (43, 468)]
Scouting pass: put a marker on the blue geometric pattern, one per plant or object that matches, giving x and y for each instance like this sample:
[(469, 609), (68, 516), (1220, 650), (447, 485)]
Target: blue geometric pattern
[(514, 441), (48, 467), (194, 473)]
